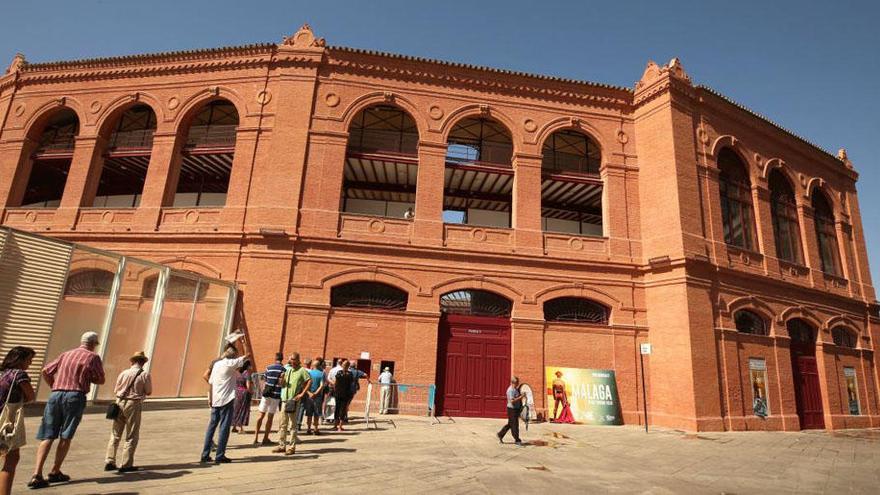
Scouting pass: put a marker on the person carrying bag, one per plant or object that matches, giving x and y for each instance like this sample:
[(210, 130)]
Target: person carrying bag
[(132, 387), (13, 375)]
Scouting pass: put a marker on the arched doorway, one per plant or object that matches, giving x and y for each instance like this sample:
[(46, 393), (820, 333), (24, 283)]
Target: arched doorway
[(473, 361), (805, 373)]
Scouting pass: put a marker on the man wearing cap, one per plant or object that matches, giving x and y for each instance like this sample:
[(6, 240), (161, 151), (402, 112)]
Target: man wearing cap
[(385, 379), (132, 387), (71, 376)]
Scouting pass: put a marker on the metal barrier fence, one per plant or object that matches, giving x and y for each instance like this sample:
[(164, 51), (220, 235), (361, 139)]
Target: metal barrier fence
[(399, 398)]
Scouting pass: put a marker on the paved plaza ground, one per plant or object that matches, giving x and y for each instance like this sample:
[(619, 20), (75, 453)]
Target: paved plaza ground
[(409, 455)]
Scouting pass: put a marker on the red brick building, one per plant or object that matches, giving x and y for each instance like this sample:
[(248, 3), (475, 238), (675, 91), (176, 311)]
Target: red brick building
[(464, 222)]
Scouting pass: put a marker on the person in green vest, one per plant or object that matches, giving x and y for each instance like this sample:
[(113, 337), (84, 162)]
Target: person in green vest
[(295, 383)]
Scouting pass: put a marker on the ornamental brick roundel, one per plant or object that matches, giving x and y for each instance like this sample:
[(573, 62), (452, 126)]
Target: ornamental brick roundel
[(530, 125), (95, 107), (332, 99), (435, 112), (377, 226), (19, 110), (173, 102)]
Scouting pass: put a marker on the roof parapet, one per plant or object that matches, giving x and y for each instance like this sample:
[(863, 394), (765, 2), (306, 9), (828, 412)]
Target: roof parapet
[(18, 61), (304, 38)]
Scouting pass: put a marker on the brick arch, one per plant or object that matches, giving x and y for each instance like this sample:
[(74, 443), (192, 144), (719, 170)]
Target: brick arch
[(44, 112), (195, 102), (778, 163), (369, 275), (121, 104), (577, 290), (755, 305), (475, 110), (478, 282), (96, 263), (195, 266), (820, 186), (802, 313), (568, 123), (381, 98), (843, 321)]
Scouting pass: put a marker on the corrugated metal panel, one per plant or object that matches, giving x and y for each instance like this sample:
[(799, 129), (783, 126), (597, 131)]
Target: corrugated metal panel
[(32, 274)]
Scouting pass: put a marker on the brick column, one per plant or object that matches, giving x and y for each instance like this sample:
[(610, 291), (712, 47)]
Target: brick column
[(527, 346), (306, 330), (161, 180), (232, 216), (428, 222), (15, 169), (764, 228), (82, 180), (526, 214), (420, 348), (323, 191), (810, 244)]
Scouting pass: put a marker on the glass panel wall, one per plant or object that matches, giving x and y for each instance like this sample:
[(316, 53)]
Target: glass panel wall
[(205, 333), (130, 328), (171, 339), (85, 305)]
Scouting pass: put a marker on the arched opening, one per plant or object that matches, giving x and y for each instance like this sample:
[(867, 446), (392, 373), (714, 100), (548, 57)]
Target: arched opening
[(89, 282), (805, 373), (126, 160), (571, 189), (844, 337), (207, 155), (381, 164), (783, 210), (749, 322), (51, 161), (368, 295), (478, 183), (826, 234), (737, 212), (473, 361), (575, 310)]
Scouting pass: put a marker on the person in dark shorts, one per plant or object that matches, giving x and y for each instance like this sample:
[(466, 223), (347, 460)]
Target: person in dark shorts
[(314, 399), (71, 376)]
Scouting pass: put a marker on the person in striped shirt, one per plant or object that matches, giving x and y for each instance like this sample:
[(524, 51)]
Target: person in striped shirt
[(71, 376)]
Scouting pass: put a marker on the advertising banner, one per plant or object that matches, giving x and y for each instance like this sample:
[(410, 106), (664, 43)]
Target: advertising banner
[(588, 396)]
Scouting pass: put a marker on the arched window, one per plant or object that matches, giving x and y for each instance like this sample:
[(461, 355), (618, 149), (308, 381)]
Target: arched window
[(383, 129), (475, 303), (381, 164), (783, 209), (843, 337), (178, 288), (749, 322), (89, 282), (51, 161), (368, 295), (826, 234), (480, 140), (569, 151), (800, 332), (575, 309), (207, 156), (736, 201), (127, 158), (571, 190)]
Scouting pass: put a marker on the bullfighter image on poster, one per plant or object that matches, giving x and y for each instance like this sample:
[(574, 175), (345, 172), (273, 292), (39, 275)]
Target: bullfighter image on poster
[(586, 396)]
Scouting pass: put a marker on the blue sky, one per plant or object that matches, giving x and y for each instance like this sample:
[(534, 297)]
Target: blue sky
[(813, 69)]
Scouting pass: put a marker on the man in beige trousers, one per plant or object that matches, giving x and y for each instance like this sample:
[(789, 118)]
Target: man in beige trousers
[(132, 387)]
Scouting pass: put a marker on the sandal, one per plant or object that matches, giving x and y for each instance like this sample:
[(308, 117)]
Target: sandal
[(37, 482)]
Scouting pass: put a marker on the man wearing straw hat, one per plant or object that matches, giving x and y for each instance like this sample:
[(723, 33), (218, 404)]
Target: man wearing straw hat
[(132, 387)]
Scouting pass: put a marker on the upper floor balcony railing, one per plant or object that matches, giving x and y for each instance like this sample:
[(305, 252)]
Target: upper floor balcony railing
[(140, 139), (566, 163), (58, 145), (377, 141), (494, 154), (214, 136)]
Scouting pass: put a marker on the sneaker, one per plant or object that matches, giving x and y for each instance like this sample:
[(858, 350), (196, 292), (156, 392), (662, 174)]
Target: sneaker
[(205, 460), (278, 450), (290, 452), (222, 460), (37, 482), (519, 444), (128, 469), (58, 477), (110, 466)]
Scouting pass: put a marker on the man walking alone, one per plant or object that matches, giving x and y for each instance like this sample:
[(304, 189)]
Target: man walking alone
[(514, 406)]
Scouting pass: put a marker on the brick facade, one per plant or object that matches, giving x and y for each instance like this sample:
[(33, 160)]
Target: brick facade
[(662, 266)]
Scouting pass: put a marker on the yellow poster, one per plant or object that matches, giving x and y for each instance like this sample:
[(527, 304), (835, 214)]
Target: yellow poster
[(577, 395)]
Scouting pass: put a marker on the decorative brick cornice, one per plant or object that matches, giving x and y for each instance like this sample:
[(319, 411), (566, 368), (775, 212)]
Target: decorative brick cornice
[(376, 64), (657, 80)]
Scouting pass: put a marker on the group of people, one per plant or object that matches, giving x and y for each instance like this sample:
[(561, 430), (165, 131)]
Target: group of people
[(296, 390), (71, 376)]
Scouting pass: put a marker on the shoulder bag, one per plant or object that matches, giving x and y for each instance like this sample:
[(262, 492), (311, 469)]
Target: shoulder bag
[(9, 423), (113, 409)]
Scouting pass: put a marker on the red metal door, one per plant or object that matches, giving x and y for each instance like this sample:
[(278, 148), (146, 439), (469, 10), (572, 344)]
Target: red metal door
[(473, 366), (807, 393)]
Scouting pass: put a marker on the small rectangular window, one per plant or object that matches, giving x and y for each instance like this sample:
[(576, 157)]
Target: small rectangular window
[(758, 379), (852, 390)]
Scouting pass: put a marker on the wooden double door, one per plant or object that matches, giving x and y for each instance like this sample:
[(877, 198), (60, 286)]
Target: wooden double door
[(808, 393), (473, 366)]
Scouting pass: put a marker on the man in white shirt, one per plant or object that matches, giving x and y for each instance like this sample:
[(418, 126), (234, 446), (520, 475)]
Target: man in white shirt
[(385, 379), (221, 377)]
